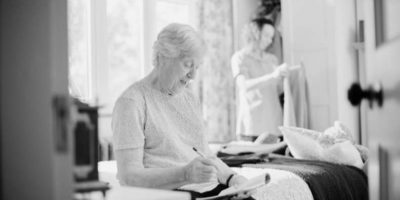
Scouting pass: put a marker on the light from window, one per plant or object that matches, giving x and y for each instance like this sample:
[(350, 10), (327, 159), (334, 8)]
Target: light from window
[(123, 46), (80, 74), (171, 11)]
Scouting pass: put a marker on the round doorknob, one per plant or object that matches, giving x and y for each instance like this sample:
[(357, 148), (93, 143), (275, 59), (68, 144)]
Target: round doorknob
[(373, 93)]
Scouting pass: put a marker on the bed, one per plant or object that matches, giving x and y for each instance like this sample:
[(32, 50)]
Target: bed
[(291, 179), (324, 180)]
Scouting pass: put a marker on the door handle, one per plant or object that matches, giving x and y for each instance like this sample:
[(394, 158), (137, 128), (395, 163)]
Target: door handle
[(61, 107), (373, 93)]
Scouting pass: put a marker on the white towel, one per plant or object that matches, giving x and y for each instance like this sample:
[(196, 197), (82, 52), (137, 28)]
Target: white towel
[(295, 108)]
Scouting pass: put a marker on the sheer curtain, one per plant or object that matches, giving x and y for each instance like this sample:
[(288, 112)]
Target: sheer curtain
[(215, 83)]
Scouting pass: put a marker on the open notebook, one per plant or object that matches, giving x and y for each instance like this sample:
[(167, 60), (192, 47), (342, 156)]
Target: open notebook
[(245, 188)]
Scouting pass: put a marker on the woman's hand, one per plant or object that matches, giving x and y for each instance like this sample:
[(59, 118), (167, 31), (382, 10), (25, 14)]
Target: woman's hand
[(223, 171), (234, 184), (237, 180), (281, 71), (200, 170)]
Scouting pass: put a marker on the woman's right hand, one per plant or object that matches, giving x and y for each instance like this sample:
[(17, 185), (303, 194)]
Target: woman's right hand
[(200, 170), (281, 71)]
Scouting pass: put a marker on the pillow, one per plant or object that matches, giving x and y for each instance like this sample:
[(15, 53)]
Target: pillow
[(339, 132), (303, 143), (313, 145), (343, 153)]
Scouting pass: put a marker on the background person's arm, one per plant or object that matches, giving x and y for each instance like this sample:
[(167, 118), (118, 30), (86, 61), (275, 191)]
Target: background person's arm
[(247, 84)]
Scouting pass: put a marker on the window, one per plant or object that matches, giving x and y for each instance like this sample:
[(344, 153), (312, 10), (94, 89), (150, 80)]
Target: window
[(123, 49), (80, 71), (108, 49)]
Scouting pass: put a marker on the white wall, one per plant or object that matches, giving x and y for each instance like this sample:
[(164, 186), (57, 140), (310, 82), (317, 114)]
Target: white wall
[(307, 32), (319, 34), (243, 11), (34, 67)]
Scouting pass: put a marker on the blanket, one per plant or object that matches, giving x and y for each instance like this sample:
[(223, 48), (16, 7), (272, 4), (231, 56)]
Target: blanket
[(326, 180)]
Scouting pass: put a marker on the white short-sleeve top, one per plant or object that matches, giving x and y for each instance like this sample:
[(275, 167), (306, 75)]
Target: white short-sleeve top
[(165, 127), (259, 110)]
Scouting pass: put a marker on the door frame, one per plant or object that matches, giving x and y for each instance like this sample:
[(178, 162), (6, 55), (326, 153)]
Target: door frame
[(361, 68)]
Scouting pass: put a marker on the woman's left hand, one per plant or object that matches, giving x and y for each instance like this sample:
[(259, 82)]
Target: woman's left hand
[(237, 180), (223, 173), (234, 184)]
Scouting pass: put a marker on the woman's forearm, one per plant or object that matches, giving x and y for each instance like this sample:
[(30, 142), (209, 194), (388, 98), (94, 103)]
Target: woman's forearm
[(254, 83), (161, 178)]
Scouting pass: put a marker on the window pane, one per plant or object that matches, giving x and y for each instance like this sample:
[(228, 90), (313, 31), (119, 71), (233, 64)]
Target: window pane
[(123, 39), (170, 11), (79, 49)]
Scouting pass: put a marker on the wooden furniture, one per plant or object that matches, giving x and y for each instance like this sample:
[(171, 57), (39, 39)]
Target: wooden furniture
[(86, 147), (86, 143)]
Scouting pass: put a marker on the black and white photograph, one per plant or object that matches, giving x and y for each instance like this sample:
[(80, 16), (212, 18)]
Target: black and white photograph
[(200, 99)]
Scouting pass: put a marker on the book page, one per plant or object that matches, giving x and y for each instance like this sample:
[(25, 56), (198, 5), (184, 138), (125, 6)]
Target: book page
[(245, 187), (254, 148), (200, 187)]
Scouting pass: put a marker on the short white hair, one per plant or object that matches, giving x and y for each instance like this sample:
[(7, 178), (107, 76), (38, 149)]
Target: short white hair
[(177, 40)]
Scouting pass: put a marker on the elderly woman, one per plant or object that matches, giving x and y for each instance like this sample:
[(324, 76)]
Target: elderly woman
[(157, 122)]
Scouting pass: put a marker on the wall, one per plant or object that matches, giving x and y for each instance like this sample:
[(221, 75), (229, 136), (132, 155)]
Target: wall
[(319, 34), (307, 31), (243, 11), (34, 67)]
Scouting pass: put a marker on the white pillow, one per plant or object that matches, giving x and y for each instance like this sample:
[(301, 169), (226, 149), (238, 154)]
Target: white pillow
[(313, 145), (339, 132), (303, 143)]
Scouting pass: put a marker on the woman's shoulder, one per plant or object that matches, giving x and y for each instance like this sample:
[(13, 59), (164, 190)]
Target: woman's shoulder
[(135, 92), (241, 57)]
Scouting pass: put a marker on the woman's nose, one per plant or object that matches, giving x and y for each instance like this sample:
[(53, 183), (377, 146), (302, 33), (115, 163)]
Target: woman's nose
[(191, 74)]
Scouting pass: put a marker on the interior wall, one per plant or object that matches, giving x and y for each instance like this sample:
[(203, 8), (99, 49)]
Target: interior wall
[(319, 34), (243, 11), (307, 32)]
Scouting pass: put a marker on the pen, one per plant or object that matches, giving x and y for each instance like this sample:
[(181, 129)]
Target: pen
[(198, 152)]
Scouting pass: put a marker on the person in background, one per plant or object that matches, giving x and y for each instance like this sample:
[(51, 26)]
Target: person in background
[(271, 9), (258, 80), (157, 121)]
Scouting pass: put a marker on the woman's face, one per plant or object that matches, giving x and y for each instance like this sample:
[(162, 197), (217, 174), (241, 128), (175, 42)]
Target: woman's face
[(267, 34), (176, 73)]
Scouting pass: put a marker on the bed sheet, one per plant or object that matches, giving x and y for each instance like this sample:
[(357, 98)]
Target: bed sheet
[(284, 185)]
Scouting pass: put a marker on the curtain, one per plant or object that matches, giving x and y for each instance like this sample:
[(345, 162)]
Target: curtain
[(215, 85)]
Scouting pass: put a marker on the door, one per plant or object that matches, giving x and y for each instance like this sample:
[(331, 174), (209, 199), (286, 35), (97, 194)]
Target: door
[(36, 159), (383, 123)]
